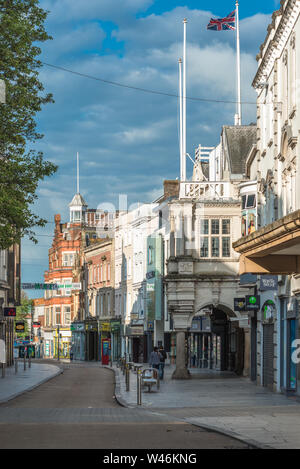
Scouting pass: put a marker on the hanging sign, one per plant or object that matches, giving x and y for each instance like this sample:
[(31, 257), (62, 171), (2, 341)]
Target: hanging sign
[(20, 326), (268, 282), (239, 304), (252, 302)]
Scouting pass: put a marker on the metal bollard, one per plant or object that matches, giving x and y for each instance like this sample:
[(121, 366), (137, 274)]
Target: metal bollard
[(139, 386), (16, 366), (24, 363), (3, 370), (29, 362), (124, 366), (127, 378)]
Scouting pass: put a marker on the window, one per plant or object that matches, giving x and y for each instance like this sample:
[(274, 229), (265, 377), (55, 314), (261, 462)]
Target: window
[(204, 247), (204, 227), (58, 315), (225, 247), (215, 247), (76, 216), (215, 226), (108, 303), (215, 240), (68, 259), (108, 272), (225, 227), (67, 314)]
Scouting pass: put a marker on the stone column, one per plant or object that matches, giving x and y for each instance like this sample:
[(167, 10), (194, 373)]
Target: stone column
[(181, 371)]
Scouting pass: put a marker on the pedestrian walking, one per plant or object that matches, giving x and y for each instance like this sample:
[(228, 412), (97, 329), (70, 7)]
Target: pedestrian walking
[(155, 357), (163, 357)]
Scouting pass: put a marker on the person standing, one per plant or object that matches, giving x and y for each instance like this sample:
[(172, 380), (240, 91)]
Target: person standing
[(155, 357), (163, 357)]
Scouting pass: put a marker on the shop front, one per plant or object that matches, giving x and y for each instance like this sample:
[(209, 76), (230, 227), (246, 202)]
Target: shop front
[(78, 341), (115, 328), (92, 340), (289, 346), (215, 343), (105, 342), (62, 339), (48, 344)]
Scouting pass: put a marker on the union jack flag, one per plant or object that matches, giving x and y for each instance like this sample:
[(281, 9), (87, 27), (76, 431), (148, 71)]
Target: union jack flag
[(222, 24)]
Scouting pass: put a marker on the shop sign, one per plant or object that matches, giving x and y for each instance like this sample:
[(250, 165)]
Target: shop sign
[(115, 326), (137, 330), (77, 327), (252, 302), (268, 282), (150, 325), (239, 304), (246, 279), (91, 327), (268, 311), (150, 275), (105, 326), (20, 326), (9, 312), (36, 324)]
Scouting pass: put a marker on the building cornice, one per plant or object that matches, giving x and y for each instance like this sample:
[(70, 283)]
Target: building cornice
[(277, 44)]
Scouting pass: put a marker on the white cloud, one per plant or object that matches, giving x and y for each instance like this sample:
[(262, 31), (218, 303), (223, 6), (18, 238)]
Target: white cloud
[(104, 10), (128, 140)]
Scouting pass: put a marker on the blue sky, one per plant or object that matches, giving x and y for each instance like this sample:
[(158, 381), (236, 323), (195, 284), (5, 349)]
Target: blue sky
[(128, 140)]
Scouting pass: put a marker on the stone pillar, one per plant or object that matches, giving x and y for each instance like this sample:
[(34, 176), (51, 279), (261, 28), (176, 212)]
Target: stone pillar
[(247, 352), (181, 371)]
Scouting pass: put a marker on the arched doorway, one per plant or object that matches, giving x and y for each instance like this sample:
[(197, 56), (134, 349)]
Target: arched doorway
[(215, 342)]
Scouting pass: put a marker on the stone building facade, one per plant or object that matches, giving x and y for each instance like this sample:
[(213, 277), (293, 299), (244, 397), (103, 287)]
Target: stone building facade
[(203, 269)]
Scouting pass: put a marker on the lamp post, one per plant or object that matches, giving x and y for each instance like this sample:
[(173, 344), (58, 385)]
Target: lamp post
[(58, 342)]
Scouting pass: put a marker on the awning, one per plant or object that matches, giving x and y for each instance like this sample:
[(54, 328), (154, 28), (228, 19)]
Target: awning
[(274, 249)]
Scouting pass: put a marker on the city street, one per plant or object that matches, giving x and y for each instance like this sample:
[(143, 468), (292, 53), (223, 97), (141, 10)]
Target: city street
[(77, 410)]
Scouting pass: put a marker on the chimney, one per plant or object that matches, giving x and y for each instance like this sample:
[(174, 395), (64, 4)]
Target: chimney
[(171, 188)]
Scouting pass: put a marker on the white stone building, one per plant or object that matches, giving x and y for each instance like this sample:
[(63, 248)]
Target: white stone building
[(274, 248)]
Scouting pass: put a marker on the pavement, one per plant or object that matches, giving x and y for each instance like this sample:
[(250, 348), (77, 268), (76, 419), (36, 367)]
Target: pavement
[(15, 384), (221, 402)]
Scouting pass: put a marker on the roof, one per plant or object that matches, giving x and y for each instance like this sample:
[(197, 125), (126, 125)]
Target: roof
[(78, 200), (239, 141)]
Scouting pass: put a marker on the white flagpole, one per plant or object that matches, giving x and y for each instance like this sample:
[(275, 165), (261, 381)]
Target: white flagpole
[(184, 104), (77, 173), (180, 119), (238, 65)]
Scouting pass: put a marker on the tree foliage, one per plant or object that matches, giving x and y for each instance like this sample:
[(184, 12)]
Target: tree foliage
[(21, 166), (23, 311)]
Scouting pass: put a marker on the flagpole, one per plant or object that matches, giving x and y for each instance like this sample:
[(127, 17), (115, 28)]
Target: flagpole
[(77, 173), (184, 104), (238, 120), (180, 119)]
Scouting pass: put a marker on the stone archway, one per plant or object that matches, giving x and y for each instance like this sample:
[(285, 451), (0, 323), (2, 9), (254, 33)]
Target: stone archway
[(215, 339)]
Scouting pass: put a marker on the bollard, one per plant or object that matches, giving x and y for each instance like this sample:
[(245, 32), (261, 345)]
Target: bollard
[(127, 378), (16, 366), (24, 362), (29, 362), (124, 366), (139, 386), (3, 370)]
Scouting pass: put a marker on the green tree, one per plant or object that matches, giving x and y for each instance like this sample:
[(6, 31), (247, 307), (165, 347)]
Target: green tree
[(23, 311), (21, 166)]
